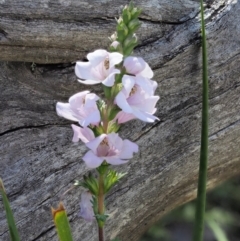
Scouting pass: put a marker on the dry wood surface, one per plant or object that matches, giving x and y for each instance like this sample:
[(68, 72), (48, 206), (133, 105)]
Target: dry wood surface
[(38, 161)]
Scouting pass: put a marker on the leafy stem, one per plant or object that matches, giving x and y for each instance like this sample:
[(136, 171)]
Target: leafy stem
[(101, 206)]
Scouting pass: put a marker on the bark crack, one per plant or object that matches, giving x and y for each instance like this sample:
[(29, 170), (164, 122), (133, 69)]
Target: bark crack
[(30, 127)]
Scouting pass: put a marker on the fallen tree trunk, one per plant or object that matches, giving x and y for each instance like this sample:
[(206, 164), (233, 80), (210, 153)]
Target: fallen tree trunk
[(38, 160)]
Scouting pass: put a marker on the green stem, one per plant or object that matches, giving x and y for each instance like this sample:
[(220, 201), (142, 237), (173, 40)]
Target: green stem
[(202, 179), (101, 206)]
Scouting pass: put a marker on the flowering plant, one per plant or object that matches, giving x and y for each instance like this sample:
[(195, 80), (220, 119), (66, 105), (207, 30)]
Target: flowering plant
[(128, 94)]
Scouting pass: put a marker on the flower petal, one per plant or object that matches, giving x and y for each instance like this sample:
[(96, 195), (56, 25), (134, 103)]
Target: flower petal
[(147, 72), (122, 103), (147, 85), (110, 80), (93, 117), (93, 145), (89, 82), (128, 83), (83, 70), (64, 110), (115, 58), (144, 116), (91, 160), (86, 206), (123, 117), (115, 161), (90, 100), (98, 56), (76, 100), (85, 134), (127, 149), (149, 104), (134, 65)]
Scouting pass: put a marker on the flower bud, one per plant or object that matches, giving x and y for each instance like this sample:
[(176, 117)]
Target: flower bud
[(116, 47), (113, 37), (134, 24), (123, 27), (120, 20), (115, 44), (135, 13), (130, 41), (86, 207), (126, 15)]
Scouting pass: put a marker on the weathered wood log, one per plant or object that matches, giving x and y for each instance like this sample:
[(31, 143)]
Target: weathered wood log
[(38, 160)]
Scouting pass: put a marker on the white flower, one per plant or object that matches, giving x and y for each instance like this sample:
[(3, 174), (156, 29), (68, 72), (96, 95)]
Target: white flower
[(99, 69), (82, 107), (138, 67), (110, 148), (136, 98)]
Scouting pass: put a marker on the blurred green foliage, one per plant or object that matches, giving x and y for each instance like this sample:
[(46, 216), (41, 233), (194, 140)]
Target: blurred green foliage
[(221, 219)]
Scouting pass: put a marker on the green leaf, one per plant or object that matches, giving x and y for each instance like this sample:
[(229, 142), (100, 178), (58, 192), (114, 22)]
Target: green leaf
[(10, 219), (111, 179), (103, 168), (101, 217), (106, 89), (113, 127), (91, 183), (113, 112), (217, 230), (62, 224)]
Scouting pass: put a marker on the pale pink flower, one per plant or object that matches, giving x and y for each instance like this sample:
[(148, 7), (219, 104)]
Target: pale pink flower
[(84, 134), (123, 117), (82, 107), (110, 148), (137, 98), (86, 211), (99, 69), (115, 44), (138, 67)]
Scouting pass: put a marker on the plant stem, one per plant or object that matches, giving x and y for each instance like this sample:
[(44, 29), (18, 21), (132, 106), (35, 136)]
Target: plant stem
[(202, 179), (101, 206), (100, 234)]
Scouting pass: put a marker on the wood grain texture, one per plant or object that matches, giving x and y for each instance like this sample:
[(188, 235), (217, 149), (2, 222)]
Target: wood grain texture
[(38, 160)]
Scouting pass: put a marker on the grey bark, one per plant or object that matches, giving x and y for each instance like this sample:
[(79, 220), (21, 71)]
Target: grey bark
[(38, 160)]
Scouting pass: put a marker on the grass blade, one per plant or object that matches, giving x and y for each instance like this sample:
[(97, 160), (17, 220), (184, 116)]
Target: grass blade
[(202, 178), (10, 219), (61, 223)]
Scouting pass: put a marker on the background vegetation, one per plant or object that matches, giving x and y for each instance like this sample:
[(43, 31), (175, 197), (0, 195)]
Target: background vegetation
[(222, 218)]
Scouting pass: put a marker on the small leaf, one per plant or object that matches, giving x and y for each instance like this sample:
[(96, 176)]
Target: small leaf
[(101, 217), (111, 179), (61, 223), (10, 219)]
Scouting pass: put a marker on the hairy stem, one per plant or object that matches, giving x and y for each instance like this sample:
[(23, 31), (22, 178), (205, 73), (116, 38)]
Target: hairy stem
[(202, 179)]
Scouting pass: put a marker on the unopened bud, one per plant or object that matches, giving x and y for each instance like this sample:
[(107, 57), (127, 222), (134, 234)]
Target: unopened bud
[(120, 20), (115, 44), (126, 15), (135, 13), (134, 24), (113, 36), (122, 30), (130, 41)]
